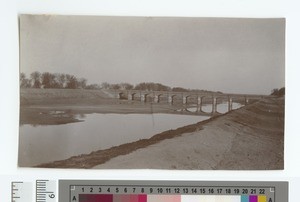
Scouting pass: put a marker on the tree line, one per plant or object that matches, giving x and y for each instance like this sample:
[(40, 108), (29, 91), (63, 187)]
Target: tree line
[(50, 80), (59, 80), (278, 92)]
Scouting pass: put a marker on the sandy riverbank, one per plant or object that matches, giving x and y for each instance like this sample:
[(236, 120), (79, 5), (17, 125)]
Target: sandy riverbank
[(248, 138)]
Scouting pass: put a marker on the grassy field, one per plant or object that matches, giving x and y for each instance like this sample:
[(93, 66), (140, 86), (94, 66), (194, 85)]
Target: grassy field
[(31, 96)]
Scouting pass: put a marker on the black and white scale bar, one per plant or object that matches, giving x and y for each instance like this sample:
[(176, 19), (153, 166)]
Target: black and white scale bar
[(14, 191), (45, 190), (21, 191)]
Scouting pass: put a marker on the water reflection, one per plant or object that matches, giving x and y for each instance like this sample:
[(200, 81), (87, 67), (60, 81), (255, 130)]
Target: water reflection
[(221, 108)]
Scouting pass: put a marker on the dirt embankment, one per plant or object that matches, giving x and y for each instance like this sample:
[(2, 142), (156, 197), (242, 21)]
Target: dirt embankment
[(248, 138)]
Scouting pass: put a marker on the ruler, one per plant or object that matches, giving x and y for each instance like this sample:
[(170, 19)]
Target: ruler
[(21, 191), (45, 190)]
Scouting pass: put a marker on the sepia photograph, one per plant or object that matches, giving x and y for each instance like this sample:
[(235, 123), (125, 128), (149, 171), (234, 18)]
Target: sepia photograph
[(185, 93)]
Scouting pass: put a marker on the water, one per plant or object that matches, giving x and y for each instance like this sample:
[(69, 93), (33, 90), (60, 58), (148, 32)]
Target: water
[(42, 144)]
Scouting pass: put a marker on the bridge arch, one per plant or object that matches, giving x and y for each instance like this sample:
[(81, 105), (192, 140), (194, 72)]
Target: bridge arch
[(229, 100), (204, 103), (121, 95), (131, 95), (221, 100)]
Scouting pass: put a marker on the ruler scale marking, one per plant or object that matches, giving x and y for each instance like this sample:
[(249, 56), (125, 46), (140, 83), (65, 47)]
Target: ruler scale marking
[(45, 190), (21, 191)]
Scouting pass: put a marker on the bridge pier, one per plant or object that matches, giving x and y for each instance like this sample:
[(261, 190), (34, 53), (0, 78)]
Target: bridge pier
[(157, 98), (246, 100), (171, 99), (129, 96), (184, 99), (199, 104), (214, 105), (144, 97), (229, 104)]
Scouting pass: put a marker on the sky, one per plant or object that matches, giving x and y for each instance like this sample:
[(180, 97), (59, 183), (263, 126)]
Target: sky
[(231, 55)]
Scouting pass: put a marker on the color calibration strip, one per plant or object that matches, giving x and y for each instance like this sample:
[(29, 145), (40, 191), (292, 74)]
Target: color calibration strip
[(128, 193), (171, 191), (168, 198)]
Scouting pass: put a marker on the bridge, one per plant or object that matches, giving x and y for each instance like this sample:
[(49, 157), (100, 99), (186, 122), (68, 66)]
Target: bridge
[(186, 98)]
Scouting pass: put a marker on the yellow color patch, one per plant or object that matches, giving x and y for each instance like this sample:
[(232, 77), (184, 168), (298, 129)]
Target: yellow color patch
[(262, 199)]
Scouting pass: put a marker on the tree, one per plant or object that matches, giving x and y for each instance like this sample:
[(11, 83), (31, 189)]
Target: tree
[(72, 82), (152, 87), (48, 80), (126, 86), (141, 86), (275, 91), (179, 89), (22, 79), (161, 87), (60, 80), (105, 85), (82, 83), (281, 91), (24, 82), (115, 86), (36, 79), (278, 92)]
